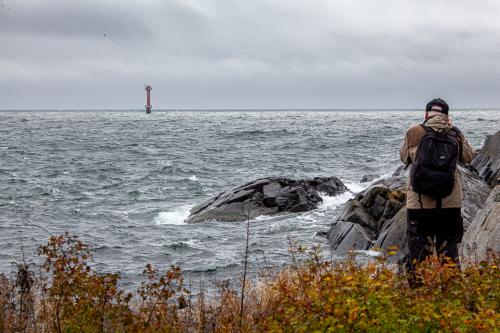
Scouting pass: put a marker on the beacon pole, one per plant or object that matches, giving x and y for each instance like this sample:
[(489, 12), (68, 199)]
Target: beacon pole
[(148, 98)]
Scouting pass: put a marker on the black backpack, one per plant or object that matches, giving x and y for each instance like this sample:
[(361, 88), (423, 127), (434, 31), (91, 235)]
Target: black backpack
[(433, 171)]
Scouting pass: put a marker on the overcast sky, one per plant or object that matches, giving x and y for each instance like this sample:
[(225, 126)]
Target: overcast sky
[(97, 54)]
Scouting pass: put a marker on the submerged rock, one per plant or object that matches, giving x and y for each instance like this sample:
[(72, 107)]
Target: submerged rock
[(266, 196), (368, 178)]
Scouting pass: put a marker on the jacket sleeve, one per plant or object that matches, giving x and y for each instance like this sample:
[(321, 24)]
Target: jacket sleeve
[(404, 151), (468, 153)]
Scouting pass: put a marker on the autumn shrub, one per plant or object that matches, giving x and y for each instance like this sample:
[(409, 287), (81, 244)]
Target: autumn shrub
[(161, 296), (74, 297), (310, 295), (349, 297)]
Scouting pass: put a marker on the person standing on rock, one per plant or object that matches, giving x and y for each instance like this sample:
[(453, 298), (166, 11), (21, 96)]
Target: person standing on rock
[(434, 194)]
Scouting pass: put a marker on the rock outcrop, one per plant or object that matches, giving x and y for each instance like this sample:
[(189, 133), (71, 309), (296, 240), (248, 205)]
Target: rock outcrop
[(370, 216), (487, 161), (369, 177), (376, 217), (483, 235), (266, 196)]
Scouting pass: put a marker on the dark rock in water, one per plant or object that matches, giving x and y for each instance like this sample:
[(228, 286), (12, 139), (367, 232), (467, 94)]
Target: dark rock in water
[(368, 178), (482, 238), (376, 217), (266, 196), (487, 161), (323, 233)]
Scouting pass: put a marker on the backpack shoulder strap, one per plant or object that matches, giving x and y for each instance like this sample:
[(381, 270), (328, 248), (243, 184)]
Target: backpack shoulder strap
[(456, 130), (457, 134)]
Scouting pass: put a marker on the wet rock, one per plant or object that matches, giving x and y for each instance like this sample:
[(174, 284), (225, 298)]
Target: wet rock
[(368, 178), (266, 196), (482, 238), (369, 215), (346, 236), (322, 233), (487, 161), (476, 192), (376, 217)]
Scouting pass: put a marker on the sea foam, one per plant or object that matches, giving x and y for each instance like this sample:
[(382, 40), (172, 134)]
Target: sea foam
[(330, 203), (175, 217)]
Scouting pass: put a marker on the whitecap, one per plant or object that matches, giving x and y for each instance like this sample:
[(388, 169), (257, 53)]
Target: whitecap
[(193, 178), (356, 187), (272, 228), (384, 176), (360, 187), (330, 203), (264, 217), (53, 190), (369, 253), (167, 163), (176, 216), (196, 244)]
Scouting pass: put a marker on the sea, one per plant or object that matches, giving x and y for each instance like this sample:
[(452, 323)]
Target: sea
[(124, 181)]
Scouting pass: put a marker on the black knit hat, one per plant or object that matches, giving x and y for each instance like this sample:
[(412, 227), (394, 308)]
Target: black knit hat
[(438, 102)]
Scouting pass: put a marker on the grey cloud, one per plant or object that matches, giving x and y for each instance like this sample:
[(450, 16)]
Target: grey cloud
[(210, 54), (70, 19)]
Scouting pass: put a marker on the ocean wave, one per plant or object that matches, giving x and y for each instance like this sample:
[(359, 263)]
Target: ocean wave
[(356, 187), (192, 243), (331, 203), (369, 253), (384, 176), (174, 217), (257, 133), (178, 246)]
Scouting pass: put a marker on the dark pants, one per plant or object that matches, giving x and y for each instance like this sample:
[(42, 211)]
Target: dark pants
[(430, 230)]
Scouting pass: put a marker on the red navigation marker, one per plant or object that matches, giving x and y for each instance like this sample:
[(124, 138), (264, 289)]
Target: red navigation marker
[(148, 99)]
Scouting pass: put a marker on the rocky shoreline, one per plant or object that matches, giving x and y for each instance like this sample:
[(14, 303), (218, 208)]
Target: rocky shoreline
[(376, 217)]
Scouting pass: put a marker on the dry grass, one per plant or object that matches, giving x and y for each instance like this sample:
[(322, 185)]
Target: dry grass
[(311, 295)]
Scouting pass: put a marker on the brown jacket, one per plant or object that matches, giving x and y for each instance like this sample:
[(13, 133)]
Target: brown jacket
[(408, 153)]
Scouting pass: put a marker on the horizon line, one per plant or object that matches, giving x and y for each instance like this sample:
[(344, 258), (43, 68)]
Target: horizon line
[(248, 109)]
